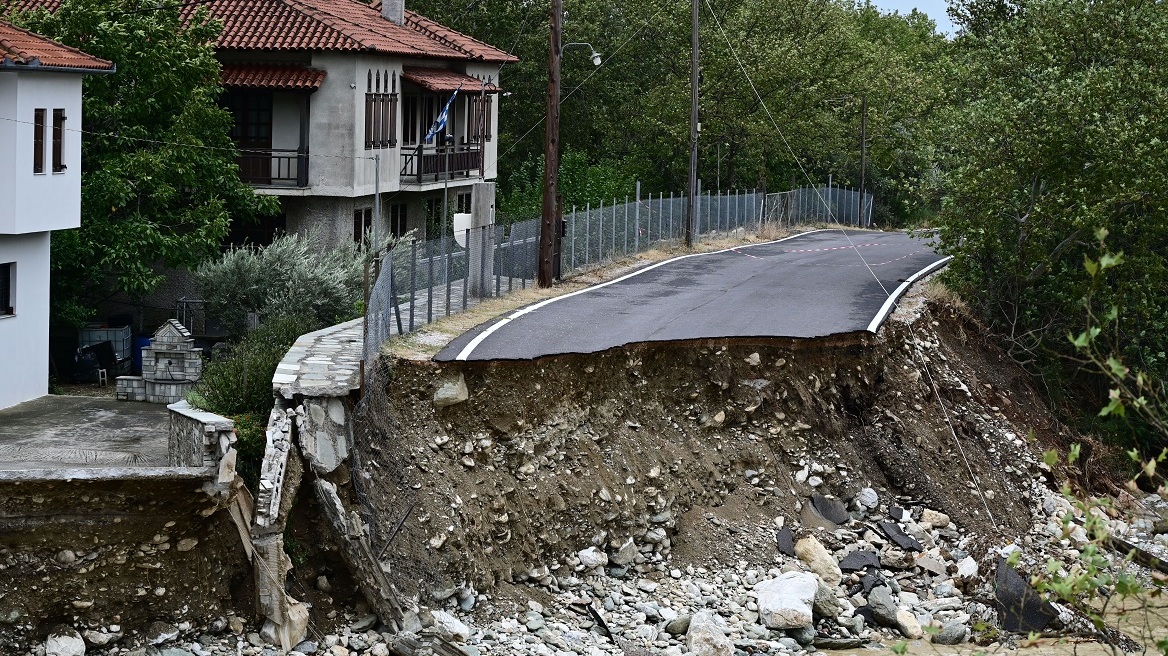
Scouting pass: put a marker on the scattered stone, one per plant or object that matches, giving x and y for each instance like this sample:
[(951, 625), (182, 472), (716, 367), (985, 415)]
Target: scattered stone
[(592, 557), (366, 622), (819, 559), (235, 623), (100, 638), (187, 544), (908, 625), (157, 633), (786, 602), (707, 637), (786, 541), (832, 509), (451, 626), (868, 499), (451, 392), (678, 625), (811, 518), (951, 633), (934, 518), (930, 564), (306, 647), (804, 635), (883, 606), (625, 555), (967, 568), (839, 643), (64, 641), (825, 603)]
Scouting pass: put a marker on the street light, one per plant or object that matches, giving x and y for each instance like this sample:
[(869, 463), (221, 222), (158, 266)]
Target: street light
[(596, 60), (549, 227)]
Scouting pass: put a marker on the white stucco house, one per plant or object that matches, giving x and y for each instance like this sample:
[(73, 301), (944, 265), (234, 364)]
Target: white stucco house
[(40, 191), (320, 89)]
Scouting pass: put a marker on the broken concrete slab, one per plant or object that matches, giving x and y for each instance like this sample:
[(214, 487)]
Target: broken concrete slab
[(1020, 608), (860, 560), (898, 536)]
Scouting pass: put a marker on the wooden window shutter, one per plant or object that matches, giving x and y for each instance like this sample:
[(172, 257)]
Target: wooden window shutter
[(38, 141), (58, 140)]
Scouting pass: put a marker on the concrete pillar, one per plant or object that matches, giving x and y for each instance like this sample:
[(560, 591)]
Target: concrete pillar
[(481, 247)]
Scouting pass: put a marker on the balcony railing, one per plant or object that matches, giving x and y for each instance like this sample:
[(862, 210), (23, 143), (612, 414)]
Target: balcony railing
[(274, 167), (437, 163)]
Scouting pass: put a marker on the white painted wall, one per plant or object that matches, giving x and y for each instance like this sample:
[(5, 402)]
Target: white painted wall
[(24, 336), (491, 159), (31, 202)]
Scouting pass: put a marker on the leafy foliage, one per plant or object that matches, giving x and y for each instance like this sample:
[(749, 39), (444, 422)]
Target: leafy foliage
[(291, 276), (812, 61), (149, 196), (241, 382), (1055, 131)]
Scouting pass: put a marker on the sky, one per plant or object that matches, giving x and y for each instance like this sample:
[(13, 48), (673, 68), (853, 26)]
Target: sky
[(934, 8)]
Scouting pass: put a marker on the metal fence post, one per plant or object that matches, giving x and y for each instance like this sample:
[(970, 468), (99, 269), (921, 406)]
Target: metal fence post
[(612, 251), (429, 281), (637, 219), (466, 275), (587, 233), (600, 232), (572, 222), (626, 231), (413, 280)]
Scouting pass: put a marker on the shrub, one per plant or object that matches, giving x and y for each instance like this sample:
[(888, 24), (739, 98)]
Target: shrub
[(292, 276), (241, 382)]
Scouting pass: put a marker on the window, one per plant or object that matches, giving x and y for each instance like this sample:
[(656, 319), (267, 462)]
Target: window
[(479, 119), (6, 292), (381, 110), (362, 224), (58, 140), (462, 203), (38, 141), (410, 120), (397, 219), (435, 225)]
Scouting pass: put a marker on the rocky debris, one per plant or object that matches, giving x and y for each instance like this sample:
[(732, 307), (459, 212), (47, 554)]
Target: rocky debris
[(951, 633), (902, 539), (157, 633), (64, 641), (451, 392), (812, 552), (785, 602), (831, 509), (707, 636)]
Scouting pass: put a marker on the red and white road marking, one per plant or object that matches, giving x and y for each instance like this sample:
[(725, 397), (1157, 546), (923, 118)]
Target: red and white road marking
[(833, 248)]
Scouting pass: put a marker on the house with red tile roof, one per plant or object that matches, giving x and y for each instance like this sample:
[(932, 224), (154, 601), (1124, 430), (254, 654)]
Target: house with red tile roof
[(40, 191), (323, 89)]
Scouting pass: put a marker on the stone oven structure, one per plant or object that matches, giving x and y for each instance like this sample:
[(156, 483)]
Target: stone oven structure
[(170, 367)]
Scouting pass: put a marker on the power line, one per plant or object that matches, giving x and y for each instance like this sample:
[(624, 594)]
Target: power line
[(585, 81), (831, 214)]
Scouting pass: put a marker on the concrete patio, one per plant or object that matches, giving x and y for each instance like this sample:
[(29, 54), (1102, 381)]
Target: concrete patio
[(79, 432)]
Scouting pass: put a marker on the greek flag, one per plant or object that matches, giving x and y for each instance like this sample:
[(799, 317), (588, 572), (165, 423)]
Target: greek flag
[(440, 122)]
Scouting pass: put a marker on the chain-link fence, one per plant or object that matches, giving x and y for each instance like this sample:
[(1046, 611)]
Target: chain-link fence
[(823, 204), (420, 281)]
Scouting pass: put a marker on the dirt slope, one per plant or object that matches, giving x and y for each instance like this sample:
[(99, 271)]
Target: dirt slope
[(675, 445)]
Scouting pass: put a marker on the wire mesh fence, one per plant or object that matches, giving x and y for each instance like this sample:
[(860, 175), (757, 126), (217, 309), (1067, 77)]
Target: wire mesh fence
[(420, 281), (823, 204)]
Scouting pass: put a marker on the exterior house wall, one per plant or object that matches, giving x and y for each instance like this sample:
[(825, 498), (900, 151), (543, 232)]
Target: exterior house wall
[(490, 148), (24, 336), (37, 202), (332, 134)]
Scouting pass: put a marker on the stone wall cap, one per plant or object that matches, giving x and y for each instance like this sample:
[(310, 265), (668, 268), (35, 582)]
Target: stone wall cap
[(210, 419)]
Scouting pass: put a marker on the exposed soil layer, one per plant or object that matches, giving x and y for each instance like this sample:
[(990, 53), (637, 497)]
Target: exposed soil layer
[(100, 554), (678, 445)]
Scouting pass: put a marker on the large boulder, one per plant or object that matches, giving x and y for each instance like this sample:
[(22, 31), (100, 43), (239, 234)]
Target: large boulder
[(819, 559), (706, 636), (64, 641), (451, 392), (786, 602), (883, 606)]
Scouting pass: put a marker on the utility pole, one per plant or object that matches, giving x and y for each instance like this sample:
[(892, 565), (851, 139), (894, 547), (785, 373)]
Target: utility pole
[(549, 222), (691, 204), (863, 155)]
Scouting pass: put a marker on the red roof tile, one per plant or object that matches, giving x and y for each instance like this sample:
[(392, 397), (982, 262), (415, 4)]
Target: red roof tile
[(257, 76), (324, 25), (442, 81), (25, 50)]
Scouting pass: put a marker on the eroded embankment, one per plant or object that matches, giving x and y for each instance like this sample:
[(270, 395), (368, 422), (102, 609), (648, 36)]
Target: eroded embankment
[(671, 444), (110, 557)]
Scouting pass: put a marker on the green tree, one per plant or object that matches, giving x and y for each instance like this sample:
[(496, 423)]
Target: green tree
[(1056, 130), (160, 186)]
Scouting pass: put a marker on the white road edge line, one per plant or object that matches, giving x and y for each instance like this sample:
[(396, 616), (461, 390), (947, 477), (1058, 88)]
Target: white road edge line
[(895, 296), (474, 343)]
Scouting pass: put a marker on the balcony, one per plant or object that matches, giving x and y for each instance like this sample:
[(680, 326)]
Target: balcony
[(274, 167), (424, 163)]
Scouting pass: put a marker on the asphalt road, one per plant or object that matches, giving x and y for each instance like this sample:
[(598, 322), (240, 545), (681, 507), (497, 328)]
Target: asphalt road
[(812, 285)]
